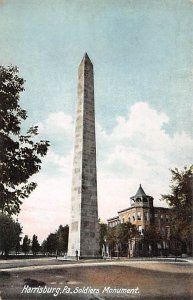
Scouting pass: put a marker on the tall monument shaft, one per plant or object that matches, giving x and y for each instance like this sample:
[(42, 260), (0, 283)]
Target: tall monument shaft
[(84, 234)]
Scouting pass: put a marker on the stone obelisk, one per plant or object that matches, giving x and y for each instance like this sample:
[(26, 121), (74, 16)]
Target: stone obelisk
[(84, 234)]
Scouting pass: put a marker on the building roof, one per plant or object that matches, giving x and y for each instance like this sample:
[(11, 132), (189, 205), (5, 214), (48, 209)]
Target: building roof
[(123, 210), (140, 192), (163, 208), (113, 219)]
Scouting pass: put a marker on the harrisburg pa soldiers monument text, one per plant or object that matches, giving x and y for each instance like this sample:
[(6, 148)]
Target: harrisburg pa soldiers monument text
[(84, 234)]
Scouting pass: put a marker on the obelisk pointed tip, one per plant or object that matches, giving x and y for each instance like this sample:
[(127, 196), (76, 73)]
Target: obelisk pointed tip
[(86, 58)]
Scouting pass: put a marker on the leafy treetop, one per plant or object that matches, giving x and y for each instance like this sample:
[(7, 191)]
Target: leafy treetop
[(20, 154), (181, 201)]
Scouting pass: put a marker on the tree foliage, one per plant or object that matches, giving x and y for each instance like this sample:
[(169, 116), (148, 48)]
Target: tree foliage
[(181, 201), (62, 238), (111, 235), (125, 231), (51, 243), (44, 247), (26, 244), (102, 234), (10, 232), (118, 237), (35, 245), (57, 241), (20, 154), (151, 237)]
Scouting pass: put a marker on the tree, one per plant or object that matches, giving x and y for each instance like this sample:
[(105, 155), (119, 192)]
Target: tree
[(52, 243), (180, 200), (111, 239), (35, 245), (44, 247), (102, 235), (17, 247), (26, 244), (20, 154), (124, 232), (119, 236), (151, 237), (10, 232), (62, 239), (57, 241)]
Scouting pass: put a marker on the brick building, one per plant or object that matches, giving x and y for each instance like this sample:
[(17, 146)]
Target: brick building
[(142, 213)]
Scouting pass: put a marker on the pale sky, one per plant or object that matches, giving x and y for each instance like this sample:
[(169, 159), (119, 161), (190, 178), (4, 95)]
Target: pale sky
[(143, 61)]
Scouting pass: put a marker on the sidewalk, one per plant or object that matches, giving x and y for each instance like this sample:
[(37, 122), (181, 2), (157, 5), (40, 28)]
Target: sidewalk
[(60, 262)]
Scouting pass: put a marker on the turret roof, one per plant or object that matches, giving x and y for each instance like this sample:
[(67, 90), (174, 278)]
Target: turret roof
[(140, 192)]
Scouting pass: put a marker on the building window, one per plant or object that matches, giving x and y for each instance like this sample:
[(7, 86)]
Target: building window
[(134, 217), (131, 245), (140, 229), (155, 215), (146, 216), (123, 220), (138, 215), (167, 229), (129, 219), (167, 218), (161, 217)]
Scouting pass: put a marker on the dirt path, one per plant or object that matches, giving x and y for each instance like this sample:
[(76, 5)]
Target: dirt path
[(174, 267), (154, 280)]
